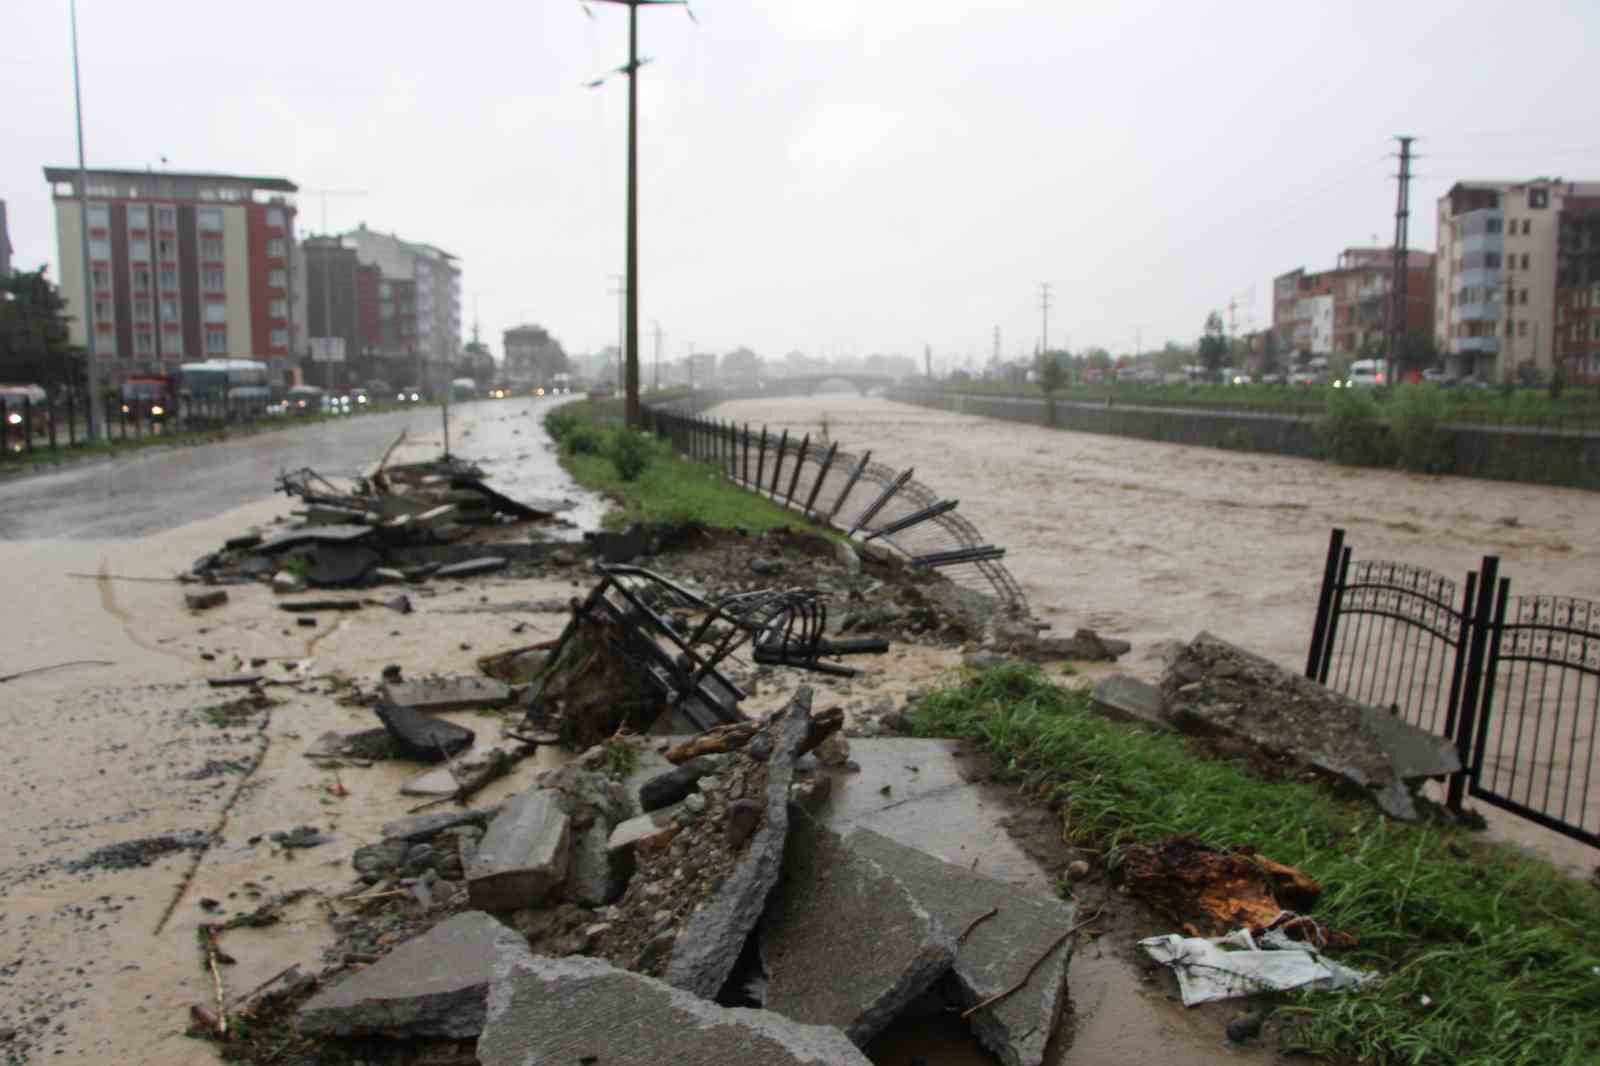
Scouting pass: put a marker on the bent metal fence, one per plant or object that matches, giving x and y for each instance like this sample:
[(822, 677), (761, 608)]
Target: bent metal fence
[(1513, 681), (849, 492)]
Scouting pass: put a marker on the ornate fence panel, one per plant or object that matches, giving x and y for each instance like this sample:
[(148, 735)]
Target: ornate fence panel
[(1514, 681), (849, 491), (1534, 752)]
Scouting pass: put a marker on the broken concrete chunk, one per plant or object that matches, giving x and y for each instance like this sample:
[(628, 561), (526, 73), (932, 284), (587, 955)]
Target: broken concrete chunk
[(593, 880), (285, 583), (436, 985), (446, 780), (376, 861), (446, 694), (340, 564), (654, 827), (579, 1010), (1129, 700), (672, 786), (420, 827), (997, 952), (482, 565), (523, 856), (705, 951), (1215, 688), (829, 896), (205, 599), (422, 737)]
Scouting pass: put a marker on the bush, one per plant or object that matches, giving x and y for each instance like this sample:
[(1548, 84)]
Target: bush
[(583, 440), (559, 424), (1416, 421), (1352, 432), (631, 452)]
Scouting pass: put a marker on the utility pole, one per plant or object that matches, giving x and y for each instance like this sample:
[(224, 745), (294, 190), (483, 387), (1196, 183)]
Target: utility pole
[(1044, 311), (657, 386), (92, 363), (1397, 285), (630, 352), (997, 346)]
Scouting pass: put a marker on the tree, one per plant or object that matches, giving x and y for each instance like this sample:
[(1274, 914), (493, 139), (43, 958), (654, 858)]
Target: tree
[(34, 345), (1213, 346)]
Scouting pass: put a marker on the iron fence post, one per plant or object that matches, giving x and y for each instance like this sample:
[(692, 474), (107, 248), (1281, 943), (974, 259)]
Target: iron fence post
[(746, 476), (761, 460), (27, 424), (822, 475), (1483, 615), (1333, 617), (799, 464), (855, 475), (1330, 573), (1491, 673)]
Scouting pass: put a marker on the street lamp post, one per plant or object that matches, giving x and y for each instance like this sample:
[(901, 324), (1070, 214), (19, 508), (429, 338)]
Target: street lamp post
[(630, 355), (91, 361)]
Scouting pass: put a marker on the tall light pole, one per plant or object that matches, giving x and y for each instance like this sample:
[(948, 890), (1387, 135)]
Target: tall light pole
[(630, 354), (83, 225)]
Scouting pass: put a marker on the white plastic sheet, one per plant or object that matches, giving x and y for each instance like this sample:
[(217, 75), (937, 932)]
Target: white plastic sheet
[(1234, 965)]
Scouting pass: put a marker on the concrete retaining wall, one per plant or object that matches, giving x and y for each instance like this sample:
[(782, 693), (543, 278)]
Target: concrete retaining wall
[(1548, 457)]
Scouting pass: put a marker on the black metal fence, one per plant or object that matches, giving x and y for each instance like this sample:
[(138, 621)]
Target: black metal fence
[(1513, 681), (847, 491)]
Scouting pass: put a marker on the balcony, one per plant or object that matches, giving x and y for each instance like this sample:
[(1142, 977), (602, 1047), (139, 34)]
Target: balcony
[(1480, 345)]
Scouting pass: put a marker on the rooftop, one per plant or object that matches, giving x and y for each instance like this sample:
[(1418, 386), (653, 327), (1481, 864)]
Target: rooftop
[(267, 184)]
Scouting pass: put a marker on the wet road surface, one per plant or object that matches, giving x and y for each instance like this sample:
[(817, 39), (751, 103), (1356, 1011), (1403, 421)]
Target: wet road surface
[(162, 488)]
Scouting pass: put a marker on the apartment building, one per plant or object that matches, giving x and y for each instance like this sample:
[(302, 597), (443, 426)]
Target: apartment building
[(1578, 289), (419, 300), (532, 356), (1505, 275), (183, 266), (5, 244), (1346, 310)]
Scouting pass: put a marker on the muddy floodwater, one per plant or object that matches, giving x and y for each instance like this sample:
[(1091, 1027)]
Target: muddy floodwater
[(1155, 542)]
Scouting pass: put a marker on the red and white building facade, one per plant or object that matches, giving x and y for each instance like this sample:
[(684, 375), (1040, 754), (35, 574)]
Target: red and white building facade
[(182, 267)]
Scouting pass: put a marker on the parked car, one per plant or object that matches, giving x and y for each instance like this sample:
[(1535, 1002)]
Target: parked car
[(1435, 376)]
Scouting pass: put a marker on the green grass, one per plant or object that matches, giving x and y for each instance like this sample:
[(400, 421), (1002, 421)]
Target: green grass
[(1505, 947), (670, 490)]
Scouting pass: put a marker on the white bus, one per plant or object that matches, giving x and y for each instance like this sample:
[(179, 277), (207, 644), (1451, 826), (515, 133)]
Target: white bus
[(226, 387)]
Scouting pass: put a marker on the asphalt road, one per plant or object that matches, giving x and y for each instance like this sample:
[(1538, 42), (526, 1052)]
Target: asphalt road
[(158, 488)]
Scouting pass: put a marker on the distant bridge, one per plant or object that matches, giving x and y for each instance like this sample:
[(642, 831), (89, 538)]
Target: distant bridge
[(810, 384)]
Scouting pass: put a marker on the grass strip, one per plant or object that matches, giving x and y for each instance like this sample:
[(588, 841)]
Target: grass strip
[(1489, 956), (668, 490)]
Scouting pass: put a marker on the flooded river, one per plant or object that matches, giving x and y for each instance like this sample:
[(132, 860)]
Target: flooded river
[(1155, 542)]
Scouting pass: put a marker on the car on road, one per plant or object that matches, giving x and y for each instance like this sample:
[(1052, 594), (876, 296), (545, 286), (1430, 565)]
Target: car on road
[(408, 394), (602, 391), (305, 400)]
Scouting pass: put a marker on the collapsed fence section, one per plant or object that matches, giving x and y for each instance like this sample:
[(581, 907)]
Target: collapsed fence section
[(851, 492), (1513, 681)]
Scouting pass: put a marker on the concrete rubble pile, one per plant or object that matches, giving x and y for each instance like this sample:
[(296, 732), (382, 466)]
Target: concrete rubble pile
[(402, 524), (692, 899)]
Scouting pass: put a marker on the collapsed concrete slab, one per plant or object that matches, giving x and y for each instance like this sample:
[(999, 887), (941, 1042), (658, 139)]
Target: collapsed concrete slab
[(829, 896), (996, 953), (1131, 701), (579, 1010), (1216, 688), (422, 737), (709, 944), (523, 856), (436, 985), (420, 827), (446, 694)]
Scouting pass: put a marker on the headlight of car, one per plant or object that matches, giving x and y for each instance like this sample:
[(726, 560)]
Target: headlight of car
[(158, 410), (415, 397), (16, 419)]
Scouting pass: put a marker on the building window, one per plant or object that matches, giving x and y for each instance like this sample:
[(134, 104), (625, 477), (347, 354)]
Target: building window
[(1523, 298), (275, 247), (168, 278), (165, 248), (278, 308), (102, 277), (102, 313), (216, 312), (99, 216), (169, 309), (166, 217), (1492, 226), (216, 341), (172, 345), (144, 343), (100, 248), (1524, 260), (276, 279), (1538, 199), (209, 218), (141, 279), (211, 248), (280, 338), (141, 311), (139, 248), (1522, 328), (138, 216), (211, 279), (274, 216)]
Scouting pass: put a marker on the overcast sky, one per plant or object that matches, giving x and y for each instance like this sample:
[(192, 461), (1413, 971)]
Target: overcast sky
[(835, 176)]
